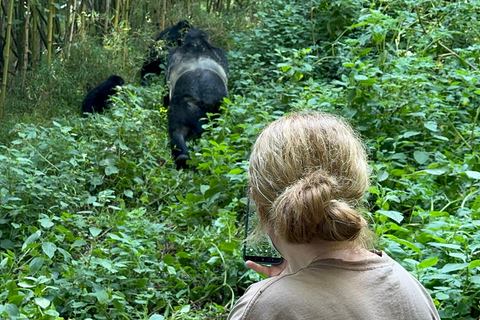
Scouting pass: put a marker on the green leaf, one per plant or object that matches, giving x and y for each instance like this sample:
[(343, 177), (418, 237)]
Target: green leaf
[(394, 215), (156, 317), (428, 263), (12, 310), (49, 249), (445, 245), (171, 270), (235, 171), (42, 302), (204, 188), (111, 170), (405, 243), (185, 309), (431, 125), (409, 134), (168, 259), (102, 296), (360, 77), (128, 193), (46, 223), (436, 172), (382, 175), (31, 239), (35, 265), (475, 279), (450, 267), (474, 264), (421, 156), (94, 231), (473, 175)]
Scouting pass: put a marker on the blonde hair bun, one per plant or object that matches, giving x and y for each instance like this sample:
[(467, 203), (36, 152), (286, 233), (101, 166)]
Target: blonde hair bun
[(308, 172)]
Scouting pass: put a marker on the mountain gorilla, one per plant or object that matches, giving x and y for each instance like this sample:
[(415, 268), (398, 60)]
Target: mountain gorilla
[(169, 38), (97, 99), (197, 81)]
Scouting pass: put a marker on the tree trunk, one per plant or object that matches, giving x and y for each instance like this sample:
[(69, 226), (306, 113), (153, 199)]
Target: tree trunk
[(25, 50), (51, 8), (35, 50), (164, 13), (117, 13), (7, 58), (107, 16), (72, 28)]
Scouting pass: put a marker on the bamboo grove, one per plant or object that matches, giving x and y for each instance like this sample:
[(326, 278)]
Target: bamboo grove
[(34, 31)]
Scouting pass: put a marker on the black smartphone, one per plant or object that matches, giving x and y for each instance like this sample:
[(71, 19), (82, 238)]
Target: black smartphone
[(258, 249)]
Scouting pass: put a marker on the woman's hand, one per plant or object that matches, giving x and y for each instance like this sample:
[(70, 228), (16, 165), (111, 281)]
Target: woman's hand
[(269, 271)]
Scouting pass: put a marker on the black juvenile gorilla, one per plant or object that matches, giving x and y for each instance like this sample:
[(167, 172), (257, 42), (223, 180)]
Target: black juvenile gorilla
[(197, 81), (169, 38), (98, 98)]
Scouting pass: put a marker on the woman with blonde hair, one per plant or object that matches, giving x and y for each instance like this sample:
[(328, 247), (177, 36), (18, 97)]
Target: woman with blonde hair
[(308, 175)]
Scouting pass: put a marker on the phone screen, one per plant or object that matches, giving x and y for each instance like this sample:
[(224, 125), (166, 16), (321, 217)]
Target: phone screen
[(258, 249)]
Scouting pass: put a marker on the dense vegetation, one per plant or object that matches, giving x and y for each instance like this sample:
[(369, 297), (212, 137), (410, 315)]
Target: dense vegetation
[(96, 222)]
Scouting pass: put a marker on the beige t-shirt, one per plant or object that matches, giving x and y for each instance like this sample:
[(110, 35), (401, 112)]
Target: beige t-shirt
[(377, 288)]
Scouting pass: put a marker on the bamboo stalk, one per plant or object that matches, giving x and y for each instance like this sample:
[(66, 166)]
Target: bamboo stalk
[(107, 16), (25, 50), (72, 27), (117, 12), (164, 13), (127, 9), (35, 49), (6, 59), (50, 32)]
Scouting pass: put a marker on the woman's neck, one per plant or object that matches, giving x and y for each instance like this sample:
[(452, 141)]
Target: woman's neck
[(299, 256)]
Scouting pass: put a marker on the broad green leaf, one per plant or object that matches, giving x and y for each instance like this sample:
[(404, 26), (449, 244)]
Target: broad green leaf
[(431, 125), (46, 223), (35, 265), (49, 249), (450, 267), (360, 77), (475, 279), (111, 170), (405, 243), (421, 156), (128, 193), (168, 259), (445, 245), (94, 231), (156, 317), (474, 264), (409, 134), (436, 172), (12, 310), (42, 302), (171, 270), (382, 175), (185, 309), (394, 215), (204, 188), (235, 171), (473, 175), (31, 239), (102, 296), (428, 263)]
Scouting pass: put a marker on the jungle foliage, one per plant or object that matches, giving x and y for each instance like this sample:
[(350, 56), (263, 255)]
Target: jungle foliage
[(96, 222)]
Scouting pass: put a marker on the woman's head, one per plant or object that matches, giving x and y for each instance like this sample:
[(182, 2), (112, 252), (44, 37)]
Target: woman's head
[(308, 172)]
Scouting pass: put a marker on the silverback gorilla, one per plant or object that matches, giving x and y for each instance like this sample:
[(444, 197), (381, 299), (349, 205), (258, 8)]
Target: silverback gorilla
[(169, 38), (98, 98), (197, 81)]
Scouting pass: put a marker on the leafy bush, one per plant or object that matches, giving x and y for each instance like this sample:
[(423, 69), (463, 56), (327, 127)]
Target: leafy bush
[(98, 224)]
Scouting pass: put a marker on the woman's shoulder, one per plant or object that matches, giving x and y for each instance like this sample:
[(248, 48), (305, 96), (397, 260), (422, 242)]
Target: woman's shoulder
[(255, 301), (326, 284)]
